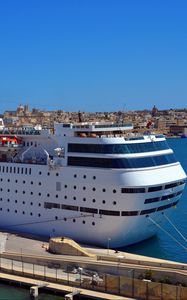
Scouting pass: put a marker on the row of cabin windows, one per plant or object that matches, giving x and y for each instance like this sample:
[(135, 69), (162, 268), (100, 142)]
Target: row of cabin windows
[(50, 205), (118, 148), (152, 188), (15, 170), (16, 201), (122, 163), (166, 197)]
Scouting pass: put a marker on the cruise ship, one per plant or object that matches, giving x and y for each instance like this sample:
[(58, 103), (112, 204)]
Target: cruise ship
[(93, 182)]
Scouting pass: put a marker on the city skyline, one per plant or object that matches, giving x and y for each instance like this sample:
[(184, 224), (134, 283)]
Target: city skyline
[(93, 55)]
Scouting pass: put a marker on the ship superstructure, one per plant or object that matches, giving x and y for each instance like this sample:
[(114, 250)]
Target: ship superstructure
[(92, 182)]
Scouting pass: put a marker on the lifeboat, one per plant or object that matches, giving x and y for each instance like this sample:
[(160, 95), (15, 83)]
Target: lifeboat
[(8, 142)]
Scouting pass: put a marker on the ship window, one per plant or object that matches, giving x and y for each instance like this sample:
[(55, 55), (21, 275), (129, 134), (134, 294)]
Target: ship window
[(74, 187), (1, 179), (93, 200), (58, 186), (48, 195), (16, 211), (114, 191), (25, 171), (147, 211), (74, 220), (93, 189), (50, 205), (31, 182), (14, 169), (171, 185), (39, 204), (31, 213), (84, 188), (23, 192), (8, 180), (93, 223), (133, 190), (39, 215), (74, 198), (23, 212), (16, 191), (109, 212), (57, 174), (10, 169), (84, 176), (1, 189), (39, 183), (8, 209), (48, 173), (75, 175), (31, 203), (31, 193), (23, 202), (8, 190), (18, 170), (83, 222), (130, 213), (27, 144), (69, 207), (16, 181), (94, 177), (151, 200), (7, 169), (1, 209), (155, 188), (0, 168), (3, 169), (29, 171), (65, 197), (114, 202), (39, 194), (104, 190), (16, 201), (21, 170), (8, 200), (89, 210), (23, 181), (115, 163), (65, 186), (84, 199), (65, 219), (167, 206), (103, 201), (56, 196)]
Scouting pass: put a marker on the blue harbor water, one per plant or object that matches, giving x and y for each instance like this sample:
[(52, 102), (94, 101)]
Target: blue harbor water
[(161, 246)]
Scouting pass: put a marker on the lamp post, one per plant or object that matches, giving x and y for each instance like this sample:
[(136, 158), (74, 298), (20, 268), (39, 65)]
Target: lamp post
[(119, 260), (108, 245)]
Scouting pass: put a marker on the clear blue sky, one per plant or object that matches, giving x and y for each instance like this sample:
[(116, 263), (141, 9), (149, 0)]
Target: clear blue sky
[(93, 55)]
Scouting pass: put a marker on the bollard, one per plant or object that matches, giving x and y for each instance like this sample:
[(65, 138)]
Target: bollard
[(34, 291)]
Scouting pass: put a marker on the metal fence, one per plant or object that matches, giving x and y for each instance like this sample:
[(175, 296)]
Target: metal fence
[(126, 285)]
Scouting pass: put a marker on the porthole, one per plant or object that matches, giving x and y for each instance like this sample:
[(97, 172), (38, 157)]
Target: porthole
[(1, 179), (23, 192), (104, 190), (31, 203), (56, 196), (93, 189), (93, 200), (74, 198), (39, 215), (48, 195), (16, 181), (56, 218), (65, 197), (74, 220), (23, 181), (23, 212), (1, 189), (31, 193), (23, 202), (39, 183), (31, 182), (83, 222), (114, 202), (84, 188), (57, 174), (39, 204), (39, 194), (75, 175), (1, 208), (31, 213), (74, 187), (114, 191), (93, 223), (1, 199), (8, 180), (65, 219), (40, 173), (8, 190), (65, 186), (84, 199), (8, 200), (16, 211), (84, 176), (16, 191), (8, 209), (48, 173), (16, 201), (103, 201), (94, 177)]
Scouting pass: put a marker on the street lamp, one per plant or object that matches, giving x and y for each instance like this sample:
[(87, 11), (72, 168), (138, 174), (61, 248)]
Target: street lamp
[(119, 260), (108, 245)]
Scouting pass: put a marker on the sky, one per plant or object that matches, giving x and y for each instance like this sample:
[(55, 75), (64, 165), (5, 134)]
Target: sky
[(93, 55)]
